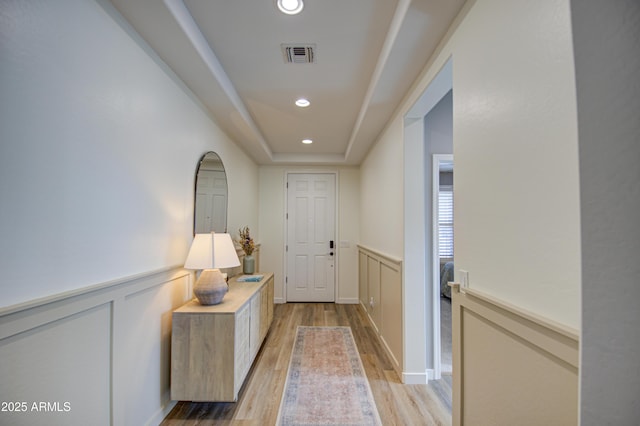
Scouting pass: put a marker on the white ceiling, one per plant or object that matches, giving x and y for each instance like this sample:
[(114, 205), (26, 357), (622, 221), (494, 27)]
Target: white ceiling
[(228, 53)]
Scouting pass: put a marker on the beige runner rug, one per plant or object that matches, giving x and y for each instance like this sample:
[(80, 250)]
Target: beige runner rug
[(326, 383)]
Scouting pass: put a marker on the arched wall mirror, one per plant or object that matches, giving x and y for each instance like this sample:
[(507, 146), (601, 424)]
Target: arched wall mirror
[(211, 195)]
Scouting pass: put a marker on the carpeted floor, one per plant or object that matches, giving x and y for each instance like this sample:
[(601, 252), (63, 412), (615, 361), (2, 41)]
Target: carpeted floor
[(326, 383)]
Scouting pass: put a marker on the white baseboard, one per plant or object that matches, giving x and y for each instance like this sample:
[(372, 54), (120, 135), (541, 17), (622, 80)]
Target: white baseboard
[(417, 378), (161, 413), (348, 301), (431, 374), (341, 301)]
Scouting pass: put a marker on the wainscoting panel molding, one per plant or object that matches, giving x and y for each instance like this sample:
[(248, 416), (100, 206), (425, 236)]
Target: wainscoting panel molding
[(511, 366), (99, 355), (380, 286)]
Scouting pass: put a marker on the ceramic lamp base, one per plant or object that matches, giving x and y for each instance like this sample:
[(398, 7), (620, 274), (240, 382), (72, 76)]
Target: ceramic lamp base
[(210, 287)]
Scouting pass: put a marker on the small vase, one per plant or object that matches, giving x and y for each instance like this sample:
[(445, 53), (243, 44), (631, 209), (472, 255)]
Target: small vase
[(248, 264)]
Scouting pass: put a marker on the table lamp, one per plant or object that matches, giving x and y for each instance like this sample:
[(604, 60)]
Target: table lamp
[(210, 252)]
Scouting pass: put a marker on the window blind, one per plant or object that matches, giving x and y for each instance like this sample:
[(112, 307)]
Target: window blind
[(445, 222)]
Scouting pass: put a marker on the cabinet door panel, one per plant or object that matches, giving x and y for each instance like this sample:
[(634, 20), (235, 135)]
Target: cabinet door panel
[(254, 333), (243, 346), (264, 312), (270, 290)]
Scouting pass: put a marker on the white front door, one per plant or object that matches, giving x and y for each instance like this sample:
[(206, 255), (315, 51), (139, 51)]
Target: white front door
[(311, 233)]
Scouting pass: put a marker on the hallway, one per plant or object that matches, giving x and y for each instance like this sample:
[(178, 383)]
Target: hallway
[(259, 398)]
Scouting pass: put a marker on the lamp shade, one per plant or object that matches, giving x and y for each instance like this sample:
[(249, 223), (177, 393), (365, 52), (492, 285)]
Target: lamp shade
[(212, 251)]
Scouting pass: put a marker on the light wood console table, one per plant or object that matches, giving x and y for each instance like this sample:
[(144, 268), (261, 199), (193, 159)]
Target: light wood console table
[(213, 347)]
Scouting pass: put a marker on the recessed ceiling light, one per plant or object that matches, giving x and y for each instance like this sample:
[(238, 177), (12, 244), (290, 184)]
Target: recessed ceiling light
[(307, 141), (303, 103), (290, 7)]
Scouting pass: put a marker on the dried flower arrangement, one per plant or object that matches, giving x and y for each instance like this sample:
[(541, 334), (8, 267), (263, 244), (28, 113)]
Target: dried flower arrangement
[(245, 241)]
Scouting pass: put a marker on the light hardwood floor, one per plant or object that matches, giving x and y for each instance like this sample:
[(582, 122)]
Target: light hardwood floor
[(259, 399)]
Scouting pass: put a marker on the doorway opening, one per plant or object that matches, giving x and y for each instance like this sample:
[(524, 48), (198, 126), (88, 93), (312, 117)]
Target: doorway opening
[(442, 258), (428, 130), (438, 183)]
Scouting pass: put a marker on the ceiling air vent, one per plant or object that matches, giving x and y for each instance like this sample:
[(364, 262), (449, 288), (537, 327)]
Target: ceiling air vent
[(299, 53)]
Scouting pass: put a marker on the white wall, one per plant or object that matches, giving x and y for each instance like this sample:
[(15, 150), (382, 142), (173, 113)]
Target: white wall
[(514, 120), (438, 127), (348, 234), (606, 35), (98, 155), (272, 227), (517, 227), (381, 197), (271, 223), (99, 146)]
